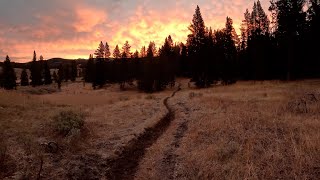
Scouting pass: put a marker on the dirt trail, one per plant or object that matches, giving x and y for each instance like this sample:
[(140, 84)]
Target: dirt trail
[(126, 164), (169, 161)]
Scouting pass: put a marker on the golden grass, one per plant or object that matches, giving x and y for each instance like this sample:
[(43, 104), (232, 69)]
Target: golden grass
[(112, 119), (242, 131)]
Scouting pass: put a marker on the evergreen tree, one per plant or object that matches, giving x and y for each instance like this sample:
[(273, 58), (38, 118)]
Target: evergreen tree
[(230, 50), (290, 23), (100, 52), (311, 63), (24, 79), (126, 50), (116, 52), (47, 73), (196, 40), (90, 70), (74, 71), (8, 77), (152, 50), (197, 50), (67, 73), (245, 30), (107, 53), (36, 76), (143, 52), (136, 54)]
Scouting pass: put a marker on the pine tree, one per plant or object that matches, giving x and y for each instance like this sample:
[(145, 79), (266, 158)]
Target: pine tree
[(196, 39), (245, 30), (198, 50), (289, 20), (24, 79), (8, 76), (116, 52), (135, 54), (90, 70), (126, 50), (74, 71), (100, 52), (107, 53), (67, 73), (152, 50), (230, 53), (36, 76), (167, 48), (143, 52), (47, 74)]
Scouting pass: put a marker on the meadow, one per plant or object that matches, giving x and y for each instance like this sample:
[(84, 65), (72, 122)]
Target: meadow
[(248, 130)]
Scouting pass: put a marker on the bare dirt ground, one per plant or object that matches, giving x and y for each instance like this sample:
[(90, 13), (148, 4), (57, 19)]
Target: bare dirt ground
[(249, 130)]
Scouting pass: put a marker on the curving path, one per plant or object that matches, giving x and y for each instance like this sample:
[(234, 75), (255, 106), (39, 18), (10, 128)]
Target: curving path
[(126, 164)]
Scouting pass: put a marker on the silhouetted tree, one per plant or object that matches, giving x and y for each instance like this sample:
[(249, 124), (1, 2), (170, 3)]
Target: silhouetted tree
[(230, 52), (47, 73), (8, 76), (24, 79), (36, 76), (116, 52), (67, 73), (100, 52), (126, 50), (152, 50), (143, 52), (107, 52), (74, 71), (197, 47), (90, 70), (136, 54), (289, 28)]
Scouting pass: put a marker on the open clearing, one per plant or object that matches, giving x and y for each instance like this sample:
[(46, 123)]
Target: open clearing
[(249, 130)]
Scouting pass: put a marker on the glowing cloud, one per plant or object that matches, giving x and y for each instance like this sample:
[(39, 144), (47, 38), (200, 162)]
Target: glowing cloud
[(73, 29)]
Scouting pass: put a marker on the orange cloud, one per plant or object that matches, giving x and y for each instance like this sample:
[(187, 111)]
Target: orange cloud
[(88, 18), (76, 31)]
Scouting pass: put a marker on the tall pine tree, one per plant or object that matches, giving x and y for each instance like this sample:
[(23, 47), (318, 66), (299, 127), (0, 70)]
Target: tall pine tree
[(8, 77), (36, 75), (47, 74), (24, 79), (116, 52), (107, 53), (100, 52)]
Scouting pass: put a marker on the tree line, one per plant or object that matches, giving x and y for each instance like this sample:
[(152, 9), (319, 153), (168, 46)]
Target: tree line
[(283, 47), (39, 73)]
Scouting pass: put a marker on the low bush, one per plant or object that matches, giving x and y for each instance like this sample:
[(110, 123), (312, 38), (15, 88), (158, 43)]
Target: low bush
[(68, 121)]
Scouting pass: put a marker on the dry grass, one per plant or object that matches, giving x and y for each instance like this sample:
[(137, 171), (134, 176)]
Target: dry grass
[(262, 130), (112, 119), (249, 130)]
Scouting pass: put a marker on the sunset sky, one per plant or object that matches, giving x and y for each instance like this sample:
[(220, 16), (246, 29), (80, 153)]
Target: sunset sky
[(74, 28)]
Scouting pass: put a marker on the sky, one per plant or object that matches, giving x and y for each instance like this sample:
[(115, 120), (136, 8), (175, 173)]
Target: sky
[(74, 28)]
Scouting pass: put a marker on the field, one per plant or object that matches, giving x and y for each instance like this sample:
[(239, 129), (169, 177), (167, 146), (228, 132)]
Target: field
[(249, 130)]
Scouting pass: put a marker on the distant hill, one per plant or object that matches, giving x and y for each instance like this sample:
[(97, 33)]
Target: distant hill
[(53, 63)]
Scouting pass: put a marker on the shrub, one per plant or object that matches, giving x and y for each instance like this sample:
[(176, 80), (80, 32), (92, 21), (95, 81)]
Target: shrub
[(68, 121)]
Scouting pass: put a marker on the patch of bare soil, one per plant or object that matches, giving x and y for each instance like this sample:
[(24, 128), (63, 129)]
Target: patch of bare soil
[(168, 164), (126, 164)]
